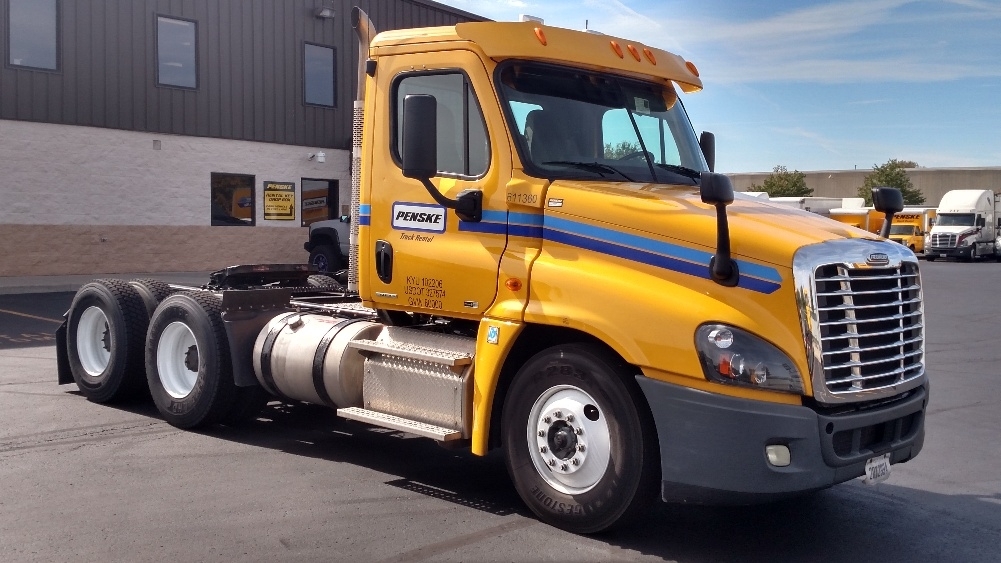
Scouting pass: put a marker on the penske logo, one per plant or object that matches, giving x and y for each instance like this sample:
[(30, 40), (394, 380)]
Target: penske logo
[(419, 217)]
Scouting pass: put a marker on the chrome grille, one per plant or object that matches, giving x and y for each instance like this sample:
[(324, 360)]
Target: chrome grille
[(943, 239), (864, 323)]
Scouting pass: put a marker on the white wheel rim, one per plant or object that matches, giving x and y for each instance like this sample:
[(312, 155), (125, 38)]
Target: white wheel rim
[(560, 417), (173, 354), (93, 341)]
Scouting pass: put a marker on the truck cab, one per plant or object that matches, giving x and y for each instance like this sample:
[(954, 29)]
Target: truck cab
[(965, 226)]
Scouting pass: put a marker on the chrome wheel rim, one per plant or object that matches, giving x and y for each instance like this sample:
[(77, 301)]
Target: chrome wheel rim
[(177, 360), (568, 439), (93, 341)]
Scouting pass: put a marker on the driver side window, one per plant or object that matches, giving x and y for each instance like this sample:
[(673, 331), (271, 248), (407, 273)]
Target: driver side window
[(463, 149)]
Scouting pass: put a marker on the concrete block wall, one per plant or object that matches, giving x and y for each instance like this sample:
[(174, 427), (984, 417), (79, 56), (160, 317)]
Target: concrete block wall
[(79, 200)]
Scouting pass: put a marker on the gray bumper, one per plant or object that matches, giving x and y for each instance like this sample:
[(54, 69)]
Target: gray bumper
[(713, 446), (950, 251)]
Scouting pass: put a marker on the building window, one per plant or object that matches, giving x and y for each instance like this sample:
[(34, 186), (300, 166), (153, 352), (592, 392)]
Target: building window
[(233, 201), (463, 148), (176, 53), (319, 73), (33, 34), (319, 201)]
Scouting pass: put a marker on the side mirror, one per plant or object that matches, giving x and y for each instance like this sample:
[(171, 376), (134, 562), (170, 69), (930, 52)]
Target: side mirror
[(420, 134), (717, 190), (707, 142), (889, 201), (981, 222), (344, 218), (420, 156)]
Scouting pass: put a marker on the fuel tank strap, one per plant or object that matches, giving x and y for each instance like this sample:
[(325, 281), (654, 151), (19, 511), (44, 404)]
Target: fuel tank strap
[(269, 343), (321, 354)]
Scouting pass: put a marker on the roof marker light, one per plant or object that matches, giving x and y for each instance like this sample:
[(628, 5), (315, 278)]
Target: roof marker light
[(649, 56), (633, 52), (616, 48), (541, 36), (691, 68)]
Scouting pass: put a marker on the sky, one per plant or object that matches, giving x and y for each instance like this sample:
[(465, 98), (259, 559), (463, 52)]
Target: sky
[(811, 85)]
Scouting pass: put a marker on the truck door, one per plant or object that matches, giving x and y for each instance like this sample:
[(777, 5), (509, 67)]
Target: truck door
[(425, 258)]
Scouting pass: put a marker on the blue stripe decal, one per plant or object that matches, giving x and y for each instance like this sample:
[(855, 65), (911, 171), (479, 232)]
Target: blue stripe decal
[(645, 257), (495, 216), (483, 227), (365, 209), (532, 219), (525, 231), (364, 220), (672, 250)]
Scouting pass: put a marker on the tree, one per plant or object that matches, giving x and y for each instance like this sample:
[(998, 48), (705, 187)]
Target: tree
[(782, 183), (892, 174), (624, 148)]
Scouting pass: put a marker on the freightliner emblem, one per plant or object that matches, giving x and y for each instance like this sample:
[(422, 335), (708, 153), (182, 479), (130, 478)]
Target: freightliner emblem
[(878, 259)]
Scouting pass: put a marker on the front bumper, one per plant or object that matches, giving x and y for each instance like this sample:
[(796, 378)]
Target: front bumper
[(950, 251), (713, 446)]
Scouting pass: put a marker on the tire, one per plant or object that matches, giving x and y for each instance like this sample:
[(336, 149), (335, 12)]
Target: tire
[(188, 365), (589, 399), (152, 292), (106, 329), (325, 258), (322, 282)]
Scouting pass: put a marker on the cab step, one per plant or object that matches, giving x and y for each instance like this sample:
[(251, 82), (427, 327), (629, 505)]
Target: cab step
[(402, 424), (402, 349)]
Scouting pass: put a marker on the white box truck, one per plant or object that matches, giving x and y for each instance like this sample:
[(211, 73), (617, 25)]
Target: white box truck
[(966, 226)]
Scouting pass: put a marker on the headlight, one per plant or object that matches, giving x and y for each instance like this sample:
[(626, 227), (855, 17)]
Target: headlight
[(965, 240), (736, 357)]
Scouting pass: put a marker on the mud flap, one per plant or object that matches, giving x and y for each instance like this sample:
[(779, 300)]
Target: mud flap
[(62, 358)]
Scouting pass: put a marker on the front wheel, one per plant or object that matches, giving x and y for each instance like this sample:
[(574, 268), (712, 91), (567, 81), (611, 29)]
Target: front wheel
[(580, 443)]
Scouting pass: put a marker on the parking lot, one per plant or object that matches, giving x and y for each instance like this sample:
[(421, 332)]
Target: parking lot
[(86, 482)]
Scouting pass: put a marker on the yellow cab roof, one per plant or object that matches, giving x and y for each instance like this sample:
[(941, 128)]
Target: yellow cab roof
[(532, 40)]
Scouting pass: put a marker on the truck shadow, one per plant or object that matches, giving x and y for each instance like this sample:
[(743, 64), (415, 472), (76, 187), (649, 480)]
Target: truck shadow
[(850, 522)]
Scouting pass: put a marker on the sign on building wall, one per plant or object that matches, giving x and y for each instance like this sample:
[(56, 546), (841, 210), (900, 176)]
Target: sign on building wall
[(279, 201)]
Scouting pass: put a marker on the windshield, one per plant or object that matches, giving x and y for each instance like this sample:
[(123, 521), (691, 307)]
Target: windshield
[(901, 229), (955, 220), (573, 123)]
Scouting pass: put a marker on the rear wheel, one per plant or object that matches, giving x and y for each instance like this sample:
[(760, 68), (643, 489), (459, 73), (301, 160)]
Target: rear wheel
[(580, 443), (187, 360), (152, 292), (106, 328)]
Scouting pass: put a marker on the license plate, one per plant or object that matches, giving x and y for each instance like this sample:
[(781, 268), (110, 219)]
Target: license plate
[(942, 255), (877, 469)]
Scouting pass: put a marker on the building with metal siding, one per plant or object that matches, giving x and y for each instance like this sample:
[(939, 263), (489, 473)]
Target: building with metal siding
[(105, 166)]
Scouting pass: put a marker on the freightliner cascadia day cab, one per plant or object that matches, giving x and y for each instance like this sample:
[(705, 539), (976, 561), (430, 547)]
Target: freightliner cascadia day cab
[(543, 261), (965, 226)]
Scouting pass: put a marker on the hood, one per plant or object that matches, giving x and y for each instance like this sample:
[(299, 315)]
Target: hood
[(953, 230), (759, 231)]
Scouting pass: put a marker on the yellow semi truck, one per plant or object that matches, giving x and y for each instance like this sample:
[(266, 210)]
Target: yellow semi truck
[(543, 261)]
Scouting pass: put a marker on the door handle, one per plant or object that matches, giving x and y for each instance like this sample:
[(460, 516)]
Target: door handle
[(384, 261)]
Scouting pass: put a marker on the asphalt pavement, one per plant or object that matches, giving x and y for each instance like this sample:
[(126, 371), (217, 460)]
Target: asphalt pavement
[(87, 482)]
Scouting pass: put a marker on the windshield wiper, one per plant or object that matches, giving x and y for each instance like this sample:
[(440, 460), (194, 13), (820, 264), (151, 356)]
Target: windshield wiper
[(683, 170), (590, 166)]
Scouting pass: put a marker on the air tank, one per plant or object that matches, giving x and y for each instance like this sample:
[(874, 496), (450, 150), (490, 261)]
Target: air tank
[(305, 357)]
